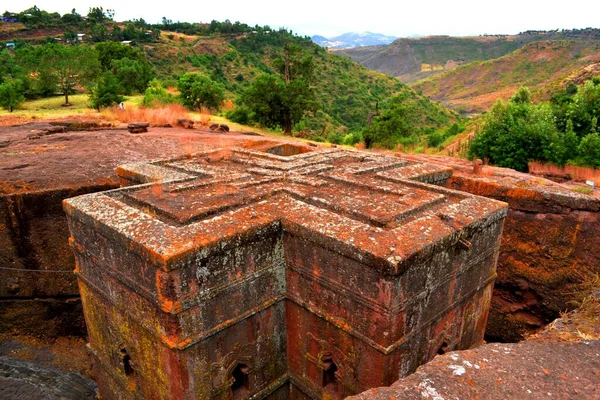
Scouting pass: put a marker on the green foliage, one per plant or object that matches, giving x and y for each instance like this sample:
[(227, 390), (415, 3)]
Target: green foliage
[(563, 132), (352, 138), (198, 91), (11, 94), (335, 137), (98, 15), (156, 95), (523, 96), (111, 51), (133, 76), (106, 92), (404, 122), (8, 66), (281, 101), (56, 66), (438, 137), (515, 133), (589, 150), (397, 121), (241, 114)]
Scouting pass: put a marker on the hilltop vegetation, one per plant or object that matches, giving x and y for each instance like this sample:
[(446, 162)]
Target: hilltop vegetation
[(231, 58), (563, 131)]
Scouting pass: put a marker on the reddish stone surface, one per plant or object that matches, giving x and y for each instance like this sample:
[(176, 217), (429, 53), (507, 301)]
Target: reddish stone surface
[(321, 274), (526, 370), (39, 167), (550, 244)]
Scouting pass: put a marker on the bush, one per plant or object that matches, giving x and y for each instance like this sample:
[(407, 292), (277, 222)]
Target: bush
[(435, 139), (240, 114), (335, 137), (352, 138), (197, 91), (589, 150), (515, 133), (156, 95), (106, 92), (11, 94)]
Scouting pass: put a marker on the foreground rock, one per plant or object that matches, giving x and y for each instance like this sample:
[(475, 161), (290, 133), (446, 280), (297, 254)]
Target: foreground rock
[(527, 370), (138, 127), (25, 380)]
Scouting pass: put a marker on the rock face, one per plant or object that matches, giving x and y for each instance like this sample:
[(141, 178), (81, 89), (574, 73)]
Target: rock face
[(550, 245), (238, 273), (526, 370), (138, 127), (23, 380), (38, 290), (560, 362)]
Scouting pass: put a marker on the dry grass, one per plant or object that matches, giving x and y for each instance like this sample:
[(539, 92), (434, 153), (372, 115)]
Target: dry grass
[(13, 119), (168, 114), (582, 323), (579, 174)]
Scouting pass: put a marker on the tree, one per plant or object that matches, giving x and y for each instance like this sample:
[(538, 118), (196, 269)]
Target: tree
[(398, 121), (11, 94), (8, 66), (111, 51), (68, 66), (97, 15), (198, 91), (282, 101), (106, 91), (515, 133), (132, 75), (523, 96), (157, 95), (589, 150)]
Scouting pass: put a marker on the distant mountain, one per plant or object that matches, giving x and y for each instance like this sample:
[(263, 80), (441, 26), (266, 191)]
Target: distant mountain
[(543, 66), (413, 59), (353, 39)]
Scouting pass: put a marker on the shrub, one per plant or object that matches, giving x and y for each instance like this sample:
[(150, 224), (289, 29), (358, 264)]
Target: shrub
[(11, 94), (156, 95), (352, 138), (106, 92), (197, 91)]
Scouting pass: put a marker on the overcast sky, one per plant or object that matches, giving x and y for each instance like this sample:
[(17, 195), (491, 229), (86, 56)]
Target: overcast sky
[(329, 18)]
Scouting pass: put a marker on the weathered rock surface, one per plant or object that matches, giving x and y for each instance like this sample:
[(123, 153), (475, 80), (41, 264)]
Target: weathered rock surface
[(138, 127), (219, 128), (185, 123), (303, 268), (23, 380), (550, 244), (526, 370), (38, 289)]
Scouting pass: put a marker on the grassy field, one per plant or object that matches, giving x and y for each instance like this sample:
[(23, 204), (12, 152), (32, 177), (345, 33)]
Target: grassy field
[(52, 109)]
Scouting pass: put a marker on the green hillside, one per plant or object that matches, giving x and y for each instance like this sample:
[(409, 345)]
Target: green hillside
[(234, 55), (475, 87), (346, 91), (414, 59)]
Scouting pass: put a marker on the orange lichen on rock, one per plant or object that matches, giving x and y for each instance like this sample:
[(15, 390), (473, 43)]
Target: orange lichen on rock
[(274, 270), (550, 245)]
